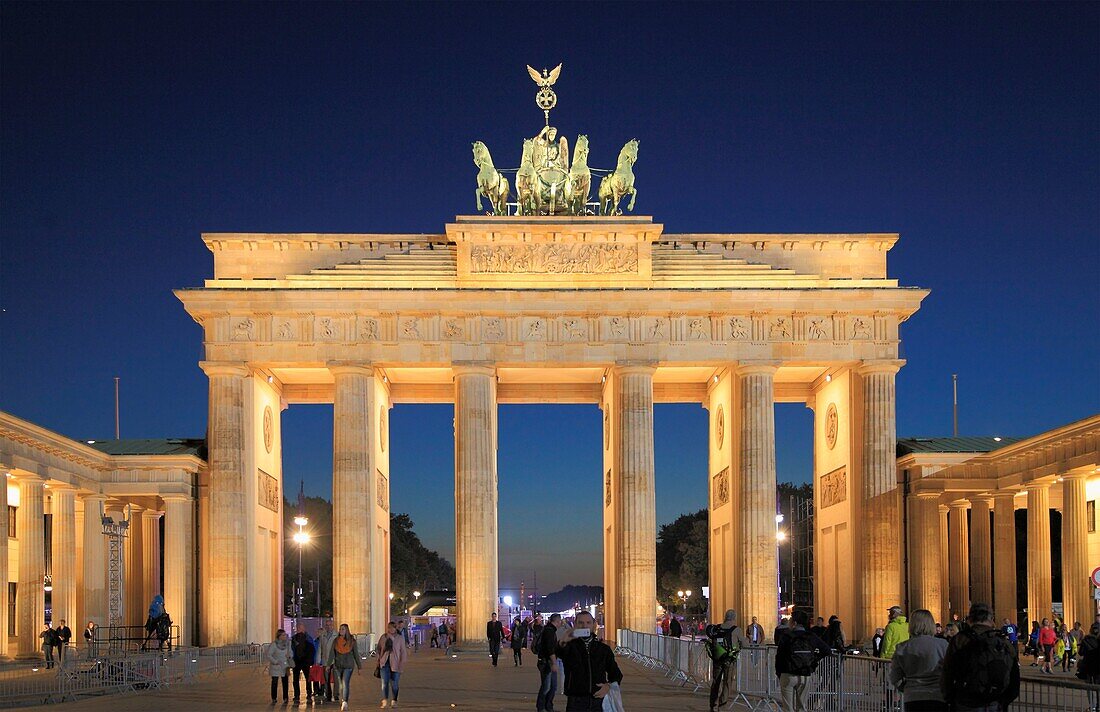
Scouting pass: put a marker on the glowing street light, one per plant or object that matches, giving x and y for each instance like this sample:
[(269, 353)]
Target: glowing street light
[(301, 538)]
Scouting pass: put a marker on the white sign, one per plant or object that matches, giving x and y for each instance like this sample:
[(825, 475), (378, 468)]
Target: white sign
[(1096, 594), (1096, 576), (706, 591)]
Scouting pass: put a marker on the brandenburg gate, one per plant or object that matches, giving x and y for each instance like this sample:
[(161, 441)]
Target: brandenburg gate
[(603, 309)]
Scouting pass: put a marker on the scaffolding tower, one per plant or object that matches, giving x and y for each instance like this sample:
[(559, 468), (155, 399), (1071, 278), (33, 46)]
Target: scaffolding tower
[(115, 532)]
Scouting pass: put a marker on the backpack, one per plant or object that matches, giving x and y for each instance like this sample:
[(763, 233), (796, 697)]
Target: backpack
[(720, 645), (982, 669), (803, 654)]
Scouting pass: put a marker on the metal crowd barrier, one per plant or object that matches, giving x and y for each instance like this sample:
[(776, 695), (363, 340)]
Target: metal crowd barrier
[(848, 683), (78, 677)]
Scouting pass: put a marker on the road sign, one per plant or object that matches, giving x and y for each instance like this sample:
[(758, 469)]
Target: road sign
[(1096, 576)]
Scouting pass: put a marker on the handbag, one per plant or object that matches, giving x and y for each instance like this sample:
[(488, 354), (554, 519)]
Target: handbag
[(378, 670), (316, 673)]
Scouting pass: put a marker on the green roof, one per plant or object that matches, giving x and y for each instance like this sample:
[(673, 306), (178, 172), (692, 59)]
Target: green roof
[(959, 444), (152, 446)]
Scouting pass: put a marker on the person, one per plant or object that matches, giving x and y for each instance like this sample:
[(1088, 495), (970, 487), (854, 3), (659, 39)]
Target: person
[(1033, 642), (536, 632), (819, 629), (317, 674), (724, 642), (325, 641), (64, 635), (876, 643), (1059, 646), (279, 661), (1088, 666), (302, 653), (344, 658), (834, 636), (665, 625), (49, 642), (546, 651), (434, 640), (403, 629), (158, 623), (494, 631), (519, 641), (90, 631), (675, 630), (897, 632), (1010, 632), (392, 653), (917, 665), (939, 631), (565, 634), (443, 642), (796, 660), (1046, 644), (780, 630), (590, 667), (755, 632), (981, 672)]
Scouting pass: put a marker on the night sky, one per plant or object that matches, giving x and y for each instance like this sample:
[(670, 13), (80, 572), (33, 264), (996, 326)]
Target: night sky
[(126, 131)]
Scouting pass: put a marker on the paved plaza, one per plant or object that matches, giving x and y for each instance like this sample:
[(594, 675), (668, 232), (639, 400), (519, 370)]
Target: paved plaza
[(430, 682)]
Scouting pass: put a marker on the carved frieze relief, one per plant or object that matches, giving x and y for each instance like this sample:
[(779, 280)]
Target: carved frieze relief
[(554, 259), (267, 491), (834, 487), (720, 489), (383, 492)]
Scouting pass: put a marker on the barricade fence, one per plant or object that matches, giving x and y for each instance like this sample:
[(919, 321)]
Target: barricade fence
[(841, 683)]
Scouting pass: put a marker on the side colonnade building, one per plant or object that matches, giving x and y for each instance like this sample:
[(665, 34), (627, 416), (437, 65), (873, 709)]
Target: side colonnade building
[(962, 523), (72, 485)]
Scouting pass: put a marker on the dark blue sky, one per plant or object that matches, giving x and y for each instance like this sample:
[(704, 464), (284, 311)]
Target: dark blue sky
[(126, 131)]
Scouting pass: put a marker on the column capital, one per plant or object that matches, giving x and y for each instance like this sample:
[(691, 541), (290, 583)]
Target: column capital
[(749, 368), (943, 508), (926, 495), (1004, 494), (152, 514), (891, 366), (55, 486), (464, 368), (350, 368), (959, 504), (631, 366), (94, 497), (986, 499), (1038, 485), (225, 368), (1077, 475), (176, 497)]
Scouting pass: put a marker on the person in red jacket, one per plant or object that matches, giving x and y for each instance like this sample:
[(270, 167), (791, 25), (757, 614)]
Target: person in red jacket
[(1046, 642)]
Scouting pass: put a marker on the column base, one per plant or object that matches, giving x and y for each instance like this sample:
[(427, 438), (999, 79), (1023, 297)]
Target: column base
[(472, 649)]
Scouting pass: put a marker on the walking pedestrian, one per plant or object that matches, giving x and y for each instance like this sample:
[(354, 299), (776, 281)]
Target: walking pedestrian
[(917, 666), (1046, 644), (724, 643), (546, 650), (981, 671), (392, 653), (519, 641), (325, 641), (494, 631), (279, 661), (89, 639), (1010, 632), (675, 630), (443, 641), (796, 660), (302, 653), (317, 669), (64, 635), (897, 631), (49, 642), (344, 658), (590, 667), (1033, 642), (1088, 667)]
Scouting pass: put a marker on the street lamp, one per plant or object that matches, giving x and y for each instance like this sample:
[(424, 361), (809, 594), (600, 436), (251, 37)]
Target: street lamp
[(684, 596), (301, 538)]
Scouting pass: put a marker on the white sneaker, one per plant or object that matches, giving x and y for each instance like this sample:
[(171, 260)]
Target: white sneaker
[(393, 704), (385, 704), (343, 705)]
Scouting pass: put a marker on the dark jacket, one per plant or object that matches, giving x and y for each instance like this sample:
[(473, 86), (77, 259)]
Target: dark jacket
[(675, 629), (64, 634), (953, 677), (784, 653), (1089, 667), (494, 631), (588, 663), (519, 636), (547, 642), (301, 646)]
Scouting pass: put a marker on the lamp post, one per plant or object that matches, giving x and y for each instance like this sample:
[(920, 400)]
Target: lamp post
[(684, 596), (780, 537), (301, 537)]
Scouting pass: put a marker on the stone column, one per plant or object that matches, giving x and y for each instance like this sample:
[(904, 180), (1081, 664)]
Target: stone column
[(30, 531), (352, 507), (638, 505), (179, 525), (4, 564), (945, 566), (958, 546), (981, 563), (759, 556), (1039, 596), (150, 553), (63, 555), (226, 579), (1004, 556), (880, 533), (95, 561), (1076, 588), (137, 604), (475, 500), (925, 567)]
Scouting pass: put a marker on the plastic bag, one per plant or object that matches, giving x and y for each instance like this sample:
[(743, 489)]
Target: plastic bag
[(613, 700)]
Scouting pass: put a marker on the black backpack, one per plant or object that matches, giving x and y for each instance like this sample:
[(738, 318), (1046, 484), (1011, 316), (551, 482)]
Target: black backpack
[(982, 669), (803, 654)]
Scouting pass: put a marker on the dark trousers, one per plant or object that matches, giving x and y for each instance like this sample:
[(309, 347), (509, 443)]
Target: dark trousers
[(583, 704), (275, 687), (517, 656), (548, 685), (330, 674), (304, 670), (494, 650), (718, 673)]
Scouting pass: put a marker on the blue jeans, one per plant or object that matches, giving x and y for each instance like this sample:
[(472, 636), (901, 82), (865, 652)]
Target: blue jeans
[(345, 683), (548, 685), (390, 680)]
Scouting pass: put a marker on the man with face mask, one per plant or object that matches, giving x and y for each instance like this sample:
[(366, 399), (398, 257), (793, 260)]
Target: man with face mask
[(590, 667)]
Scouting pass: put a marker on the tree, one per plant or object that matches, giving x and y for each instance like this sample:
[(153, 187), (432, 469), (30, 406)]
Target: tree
[(682, 562)]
